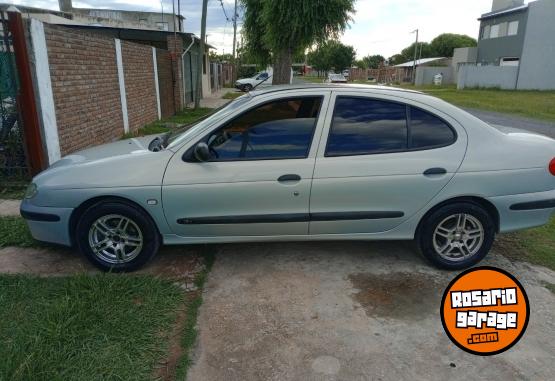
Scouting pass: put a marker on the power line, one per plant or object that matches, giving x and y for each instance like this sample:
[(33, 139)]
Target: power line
[(225, 13)]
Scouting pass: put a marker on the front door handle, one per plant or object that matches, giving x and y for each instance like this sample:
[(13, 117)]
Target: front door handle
[(435, 171), (289, 178)]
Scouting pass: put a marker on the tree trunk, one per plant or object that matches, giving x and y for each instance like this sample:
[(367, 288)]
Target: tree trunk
[(282, 67)]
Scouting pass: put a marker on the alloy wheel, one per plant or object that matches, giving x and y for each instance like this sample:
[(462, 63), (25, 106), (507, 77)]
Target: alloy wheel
[(458, 237), (115, 239)]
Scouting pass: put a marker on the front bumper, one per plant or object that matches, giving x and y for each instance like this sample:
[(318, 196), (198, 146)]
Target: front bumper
[(47, 224), (523, 211)]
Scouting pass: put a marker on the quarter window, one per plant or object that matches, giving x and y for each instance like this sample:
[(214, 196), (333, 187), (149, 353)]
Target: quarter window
[(428, 131), (366, 126), (278, 130)]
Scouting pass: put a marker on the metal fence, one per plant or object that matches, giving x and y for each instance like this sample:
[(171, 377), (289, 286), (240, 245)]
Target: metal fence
[(13, 163)]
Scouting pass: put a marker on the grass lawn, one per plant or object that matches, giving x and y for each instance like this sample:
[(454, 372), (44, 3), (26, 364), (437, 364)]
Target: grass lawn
[(14, 232), (14, 190), (311, 79), (85, 327), (89, 327), (531, 104), (185, 117), (535, 246), (233, 94)]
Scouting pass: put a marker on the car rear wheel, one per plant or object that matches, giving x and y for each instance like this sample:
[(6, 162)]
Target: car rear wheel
[(116, 236), (457, 236)]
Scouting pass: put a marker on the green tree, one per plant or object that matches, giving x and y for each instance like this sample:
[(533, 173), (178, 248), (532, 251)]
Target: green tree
[(361, 64), (444, 44), (332, 54), (396, 59), (276, 30), (373, 62), (423, 51)]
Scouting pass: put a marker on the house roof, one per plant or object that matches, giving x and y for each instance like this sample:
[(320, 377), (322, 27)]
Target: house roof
[(503, 12), (420, 62)]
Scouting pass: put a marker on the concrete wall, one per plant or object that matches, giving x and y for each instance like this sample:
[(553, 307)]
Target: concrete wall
[(503, 77), (425, 75), (537, 68), (463, 55)]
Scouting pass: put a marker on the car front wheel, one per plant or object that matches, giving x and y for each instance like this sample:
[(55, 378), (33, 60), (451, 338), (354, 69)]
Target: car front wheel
[(247, 88), (457, 236), (116, 236)]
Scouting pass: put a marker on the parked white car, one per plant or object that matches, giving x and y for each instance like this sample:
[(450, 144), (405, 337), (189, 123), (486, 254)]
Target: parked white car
[(309, 163), (259, 79)]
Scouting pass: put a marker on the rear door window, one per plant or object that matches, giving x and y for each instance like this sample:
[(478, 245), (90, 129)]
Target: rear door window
[(367, 126)]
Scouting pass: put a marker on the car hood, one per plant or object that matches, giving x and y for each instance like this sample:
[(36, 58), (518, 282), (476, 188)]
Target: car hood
[(125, 163), (131, 146)]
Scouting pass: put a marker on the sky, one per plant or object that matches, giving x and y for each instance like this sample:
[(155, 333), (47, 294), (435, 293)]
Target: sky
[(378, 27)]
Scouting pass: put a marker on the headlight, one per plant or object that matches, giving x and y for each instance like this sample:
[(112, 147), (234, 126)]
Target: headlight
[(31, 191)]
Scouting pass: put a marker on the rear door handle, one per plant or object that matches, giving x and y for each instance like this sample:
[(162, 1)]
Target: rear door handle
[(289, 178), (435, 171)]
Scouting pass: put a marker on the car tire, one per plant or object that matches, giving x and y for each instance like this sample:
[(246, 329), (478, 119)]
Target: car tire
[(117, 236), (457, 236), (247, 88)]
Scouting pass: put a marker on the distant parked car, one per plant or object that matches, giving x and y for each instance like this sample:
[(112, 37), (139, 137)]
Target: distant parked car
[(248, 84), (336, 78), (319, 162), (346, 73)]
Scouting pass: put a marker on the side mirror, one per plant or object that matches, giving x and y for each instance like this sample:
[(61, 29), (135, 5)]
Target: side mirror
[(202, 152)]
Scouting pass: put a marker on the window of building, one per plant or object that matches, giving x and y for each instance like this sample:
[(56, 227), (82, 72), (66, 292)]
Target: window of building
[(281, 129), (162, 26), (494, 33), (486, 32), (428, 131), (367, 126), (513, 28), (503, 29)]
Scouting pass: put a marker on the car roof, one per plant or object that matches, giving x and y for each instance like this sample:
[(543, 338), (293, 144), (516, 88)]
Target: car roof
[(330, 86)]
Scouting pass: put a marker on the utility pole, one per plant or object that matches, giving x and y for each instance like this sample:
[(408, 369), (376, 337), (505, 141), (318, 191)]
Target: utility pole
[(414, 62), (201, 53), (179, 15), (234, 28)]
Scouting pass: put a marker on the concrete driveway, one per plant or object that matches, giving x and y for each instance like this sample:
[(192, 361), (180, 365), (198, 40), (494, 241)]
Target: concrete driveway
[(351, 311)]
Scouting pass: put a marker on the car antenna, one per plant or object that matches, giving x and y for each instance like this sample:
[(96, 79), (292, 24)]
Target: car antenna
[(270, 76)]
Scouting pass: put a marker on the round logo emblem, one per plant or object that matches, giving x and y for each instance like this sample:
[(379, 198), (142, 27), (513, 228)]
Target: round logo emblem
[(485, 311)]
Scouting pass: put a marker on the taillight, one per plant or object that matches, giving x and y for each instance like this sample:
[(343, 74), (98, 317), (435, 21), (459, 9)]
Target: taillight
[(552, 167)]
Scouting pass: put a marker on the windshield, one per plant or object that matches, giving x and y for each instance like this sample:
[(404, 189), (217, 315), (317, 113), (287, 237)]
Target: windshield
[(178, 136)]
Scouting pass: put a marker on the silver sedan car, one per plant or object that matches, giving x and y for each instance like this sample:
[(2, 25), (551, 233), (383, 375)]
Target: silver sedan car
[(302, 163)]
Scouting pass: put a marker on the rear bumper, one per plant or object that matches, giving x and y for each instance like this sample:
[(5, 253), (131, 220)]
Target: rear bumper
[(47, 224), (522, 211)]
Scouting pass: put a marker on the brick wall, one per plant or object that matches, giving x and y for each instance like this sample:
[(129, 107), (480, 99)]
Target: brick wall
[(175, 46), (165, 82), (85, 86), (140, 88)]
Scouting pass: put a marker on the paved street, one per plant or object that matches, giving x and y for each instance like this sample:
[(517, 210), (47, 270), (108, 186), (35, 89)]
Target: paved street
[(534, 125), (350, 311)]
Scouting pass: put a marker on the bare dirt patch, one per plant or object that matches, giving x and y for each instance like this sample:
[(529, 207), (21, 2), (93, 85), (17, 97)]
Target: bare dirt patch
[(181, 264)]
